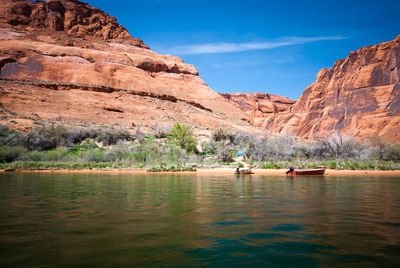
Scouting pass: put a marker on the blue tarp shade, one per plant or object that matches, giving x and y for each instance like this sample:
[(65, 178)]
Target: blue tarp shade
[(241, 152)]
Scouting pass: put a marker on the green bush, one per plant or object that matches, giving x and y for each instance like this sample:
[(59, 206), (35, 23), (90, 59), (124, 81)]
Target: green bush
[(92, 155), (146, 151), (182, 135), (117, 153), (58, 154), (170, 169), (10, 153), (270, 165)]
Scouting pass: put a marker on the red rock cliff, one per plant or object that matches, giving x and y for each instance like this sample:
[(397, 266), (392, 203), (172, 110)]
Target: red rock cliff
[(74, 17), (359, 95), (71, 45), (259, 106)]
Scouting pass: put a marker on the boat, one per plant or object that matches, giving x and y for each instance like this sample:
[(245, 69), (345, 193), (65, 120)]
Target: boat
[(245, 171), (314, 171)]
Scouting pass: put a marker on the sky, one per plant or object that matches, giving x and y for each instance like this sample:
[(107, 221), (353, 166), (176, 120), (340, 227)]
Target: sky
[(275, 47)]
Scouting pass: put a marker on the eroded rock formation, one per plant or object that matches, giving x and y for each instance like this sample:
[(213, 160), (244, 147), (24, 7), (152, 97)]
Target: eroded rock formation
[(66, 46), (259, 106), (74, 17), (359, 96)]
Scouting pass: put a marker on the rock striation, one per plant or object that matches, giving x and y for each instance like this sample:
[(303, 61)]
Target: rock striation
[(65, 48), (359, 96), (259, 106), (74, 17)]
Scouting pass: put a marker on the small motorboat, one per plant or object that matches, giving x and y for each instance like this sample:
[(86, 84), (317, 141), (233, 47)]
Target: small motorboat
[(245, 171), (314, 171)]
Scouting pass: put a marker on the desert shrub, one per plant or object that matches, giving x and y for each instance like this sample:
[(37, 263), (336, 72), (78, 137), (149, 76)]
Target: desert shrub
[(391, 152), (139, 135), (92, 155), (6, 135), (110, 135), (117, 153), (223, 135), (76, 135), (10, 137), (182, 135), (244, 139), (193, 158), (58, 154), (46, 137), (51, 135), (76, 149), (268, 165), (224, 154), (160, 131), (277, 148), (208, 147), (302, 150), (379, 146), (174, 154), (146, 151), (337, 146), (10, 153)]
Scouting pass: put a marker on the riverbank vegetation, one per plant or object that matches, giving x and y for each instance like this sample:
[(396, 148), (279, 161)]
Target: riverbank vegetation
[(53, 145)]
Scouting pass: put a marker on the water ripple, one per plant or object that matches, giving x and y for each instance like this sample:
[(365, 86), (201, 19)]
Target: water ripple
[(181, 221)]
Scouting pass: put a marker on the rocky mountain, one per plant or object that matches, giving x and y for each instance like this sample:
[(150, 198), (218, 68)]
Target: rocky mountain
[(74, 17), (65, 59), (259, 106), (359, 96)]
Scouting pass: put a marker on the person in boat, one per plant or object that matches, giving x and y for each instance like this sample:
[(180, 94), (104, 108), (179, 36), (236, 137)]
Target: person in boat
[(237, 170), (290, 171)]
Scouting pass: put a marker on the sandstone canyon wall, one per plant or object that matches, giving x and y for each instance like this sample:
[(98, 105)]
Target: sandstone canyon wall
[(359, 96), (259, 106), (66, 59), (67, 50)]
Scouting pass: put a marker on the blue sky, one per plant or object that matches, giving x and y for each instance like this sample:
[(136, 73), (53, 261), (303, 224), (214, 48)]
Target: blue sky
[(257, 46)]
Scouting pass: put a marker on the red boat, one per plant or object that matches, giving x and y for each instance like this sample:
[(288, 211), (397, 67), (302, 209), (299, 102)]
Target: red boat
[(315, 171)]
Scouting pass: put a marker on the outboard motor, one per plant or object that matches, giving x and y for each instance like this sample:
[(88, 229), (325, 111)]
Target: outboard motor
[(290, 171)]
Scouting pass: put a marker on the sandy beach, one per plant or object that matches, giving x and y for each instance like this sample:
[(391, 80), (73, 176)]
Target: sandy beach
[(215, 171)]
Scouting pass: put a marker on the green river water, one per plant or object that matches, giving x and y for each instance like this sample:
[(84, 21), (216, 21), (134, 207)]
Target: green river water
[(52, 220)]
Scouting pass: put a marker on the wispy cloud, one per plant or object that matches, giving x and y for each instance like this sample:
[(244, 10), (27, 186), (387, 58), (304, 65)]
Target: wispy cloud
[(239, 47)]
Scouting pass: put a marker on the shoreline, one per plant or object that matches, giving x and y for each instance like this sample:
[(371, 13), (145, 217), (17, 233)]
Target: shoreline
[(208, 171)]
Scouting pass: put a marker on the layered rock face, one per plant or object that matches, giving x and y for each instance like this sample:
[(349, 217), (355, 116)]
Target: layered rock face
[(67, 45), (259, 106), (74, 17), (359, 96)]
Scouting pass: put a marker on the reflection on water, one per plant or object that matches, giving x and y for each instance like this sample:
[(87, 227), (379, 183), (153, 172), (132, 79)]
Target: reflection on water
[(164, 220)]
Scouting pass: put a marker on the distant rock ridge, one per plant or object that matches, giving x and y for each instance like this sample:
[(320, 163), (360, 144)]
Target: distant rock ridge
[(259, 106), (74, 17), (359, 96)]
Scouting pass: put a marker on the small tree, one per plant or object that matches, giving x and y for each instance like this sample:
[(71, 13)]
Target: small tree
[(182, 135), (380, 147)]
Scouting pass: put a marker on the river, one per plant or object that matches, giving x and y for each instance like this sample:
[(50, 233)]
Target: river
[(108, 220)]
